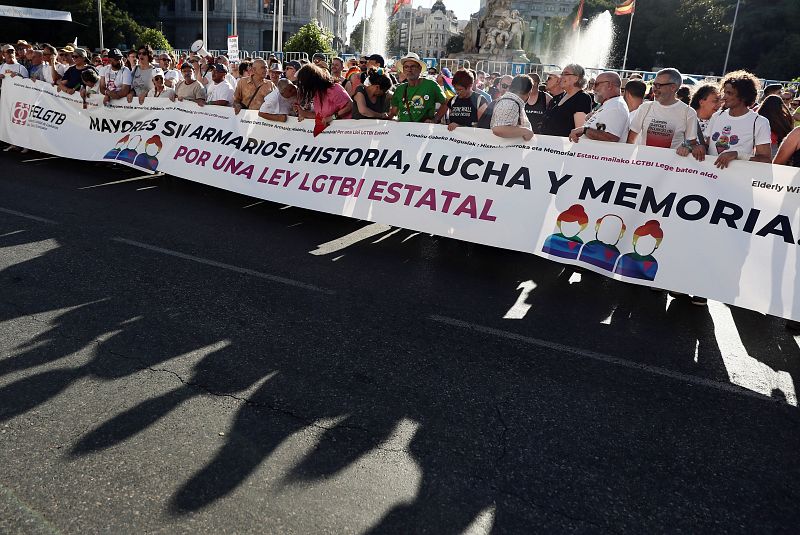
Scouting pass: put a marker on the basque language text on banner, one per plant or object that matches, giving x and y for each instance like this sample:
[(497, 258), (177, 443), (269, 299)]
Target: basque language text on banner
[(638, 214)]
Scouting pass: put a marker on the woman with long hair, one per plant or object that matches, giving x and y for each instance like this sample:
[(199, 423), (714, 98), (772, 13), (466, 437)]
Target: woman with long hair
[(316, 87), (370, 97), (780, 120)]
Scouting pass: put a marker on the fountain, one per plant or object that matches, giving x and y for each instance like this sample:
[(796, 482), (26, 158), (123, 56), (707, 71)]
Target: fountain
[(588, 47), (377, 29)]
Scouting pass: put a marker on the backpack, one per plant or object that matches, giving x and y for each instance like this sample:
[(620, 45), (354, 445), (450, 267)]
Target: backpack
[(486, 119)]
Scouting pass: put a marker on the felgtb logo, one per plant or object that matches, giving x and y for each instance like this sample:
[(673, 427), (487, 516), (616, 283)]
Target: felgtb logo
[(21, 112)]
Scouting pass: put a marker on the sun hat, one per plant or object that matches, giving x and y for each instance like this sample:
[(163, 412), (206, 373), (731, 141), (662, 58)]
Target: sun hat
[(412, 57)]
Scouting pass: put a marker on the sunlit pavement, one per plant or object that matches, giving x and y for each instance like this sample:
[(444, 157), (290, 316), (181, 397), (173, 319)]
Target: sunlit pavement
[(179, 359)]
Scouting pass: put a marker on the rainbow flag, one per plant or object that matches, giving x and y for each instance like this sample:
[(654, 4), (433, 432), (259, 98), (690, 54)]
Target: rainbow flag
[(578, 16), (625, 8)]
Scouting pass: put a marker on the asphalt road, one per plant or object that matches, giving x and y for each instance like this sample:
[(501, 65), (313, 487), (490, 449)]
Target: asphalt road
[(179, 359)]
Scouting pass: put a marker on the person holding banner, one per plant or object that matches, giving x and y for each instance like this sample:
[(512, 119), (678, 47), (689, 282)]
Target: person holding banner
[(415, 100), (738, 132), (219, 91), (71, 81), (508, 117), (370, 100), (568, 110), (251, 90), (278, 104), (666, 122), (167, 63), (116, 79), (189, 88), (330, 100), (609, 122), (159, 89)]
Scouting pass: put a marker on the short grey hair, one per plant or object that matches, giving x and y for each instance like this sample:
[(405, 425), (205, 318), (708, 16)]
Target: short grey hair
[(675, 76), (580, 72)]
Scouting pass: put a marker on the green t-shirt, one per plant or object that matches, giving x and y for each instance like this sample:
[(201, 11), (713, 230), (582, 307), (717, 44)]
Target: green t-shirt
[(417, 104)]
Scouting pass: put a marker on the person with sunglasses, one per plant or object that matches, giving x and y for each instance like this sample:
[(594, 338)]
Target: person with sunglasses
[(142, 73), (115, 81), (666, 122), (568, 110), (51, 75), (167, 64), (609, 122), (71, 80), (11, 67)]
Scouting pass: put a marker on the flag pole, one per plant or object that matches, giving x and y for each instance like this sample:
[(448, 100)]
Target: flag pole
[(628, 41), (364, 31), (730, 41)]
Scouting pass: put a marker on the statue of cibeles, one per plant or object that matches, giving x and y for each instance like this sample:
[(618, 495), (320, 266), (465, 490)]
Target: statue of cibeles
[(497, 38)]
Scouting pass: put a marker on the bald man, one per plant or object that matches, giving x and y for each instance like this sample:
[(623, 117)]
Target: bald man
[(611, 121)]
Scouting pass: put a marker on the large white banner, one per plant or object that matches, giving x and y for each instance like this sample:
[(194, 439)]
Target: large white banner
[(638, 214)]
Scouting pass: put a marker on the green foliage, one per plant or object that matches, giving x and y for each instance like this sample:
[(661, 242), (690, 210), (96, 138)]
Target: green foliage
[(455, 44), (154, 38), (310, 39), (356, 35)]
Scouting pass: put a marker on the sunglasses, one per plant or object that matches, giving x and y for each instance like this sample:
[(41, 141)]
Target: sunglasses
[(75, 56), (505, 86)]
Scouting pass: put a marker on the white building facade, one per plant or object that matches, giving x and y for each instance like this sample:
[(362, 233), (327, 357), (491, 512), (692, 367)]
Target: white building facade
[(429, 29)]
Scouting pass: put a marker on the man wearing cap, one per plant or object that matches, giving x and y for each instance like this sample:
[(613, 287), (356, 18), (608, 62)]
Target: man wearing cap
[(251, 90), (11, 67), (415, 100), (275, 72), (71, 81), (290, 70), (221, 60), (219, 91), (22, 48), (189, 88), (159, 89), (115, 81)]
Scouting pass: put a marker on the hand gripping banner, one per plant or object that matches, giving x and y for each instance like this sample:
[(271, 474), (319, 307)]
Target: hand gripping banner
[(637, 214)]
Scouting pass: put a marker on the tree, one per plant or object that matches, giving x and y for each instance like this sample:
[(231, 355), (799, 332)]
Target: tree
[(154, 38), (455, 44), (357, 34), (311, 38)]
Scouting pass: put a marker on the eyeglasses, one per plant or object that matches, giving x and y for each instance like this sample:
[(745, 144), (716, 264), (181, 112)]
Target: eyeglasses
[(597, 84), (568, 74), (75, 56), (659, 86), (505, 86)]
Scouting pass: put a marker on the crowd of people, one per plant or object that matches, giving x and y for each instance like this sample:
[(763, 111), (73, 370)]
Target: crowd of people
[(734, 119)]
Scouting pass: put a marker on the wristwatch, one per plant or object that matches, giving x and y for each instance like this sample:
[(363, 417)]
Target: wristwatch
[(585, 128)]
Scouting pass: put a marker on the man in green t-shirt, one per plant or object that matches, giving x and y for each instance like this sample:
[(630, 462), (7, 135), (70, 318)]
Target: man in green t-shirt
[(415, 100)]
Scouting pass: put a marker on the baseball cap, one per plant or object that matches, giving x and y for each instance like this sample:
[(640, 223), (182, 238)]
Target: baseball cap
[(276, 67), (219, 67), (158, 71), (79, 52), (114, 53), (7, 48), (294, 64), (186, 66)]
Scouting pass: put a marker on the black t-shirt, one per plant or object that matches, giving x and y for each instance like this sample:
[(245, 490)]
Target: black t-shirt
[(560, 120), (536, 111), (73, 76), (464, 111)]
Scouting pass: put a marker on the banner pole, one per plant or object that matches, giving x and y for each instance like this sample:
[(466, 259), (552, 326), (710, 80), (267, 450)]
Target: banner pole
[(628, 41), (100, 21), (205, 24), (730, 41)]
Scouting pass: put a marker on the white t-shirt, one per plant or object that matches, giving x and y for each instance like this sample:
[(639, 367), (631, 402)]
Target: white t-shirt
[(167, 92), (141, 80), (612, 117), (173, 75), (276, 104), (664, 126), (220, 91), (228, 77), (741, 134), (16, 68), (116, 79), (61, 68)]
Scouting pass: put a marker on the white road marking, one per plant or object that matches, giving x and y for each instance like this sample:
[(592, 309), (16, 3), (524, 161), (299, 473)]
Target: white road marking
[(143, 177), (385, 236), (229, 267), (11, 233), (519, 309), (254, 204), (608, 359), (744, 370), (28, 216), (347, 240), (483, 523), (148, 187), (40, 159)]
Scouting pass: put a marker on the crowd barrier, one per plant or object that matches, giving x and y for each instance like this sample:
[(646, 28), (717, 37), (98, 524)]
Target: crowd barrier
[(641, 215)]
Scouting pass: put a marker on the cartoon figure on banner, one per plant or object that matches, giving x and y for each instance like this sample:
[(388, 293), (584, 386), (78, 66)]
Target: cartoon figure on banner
[(113, 153), (128, 154), (602, 251), (640, 264), (566, 243), (148, 159)]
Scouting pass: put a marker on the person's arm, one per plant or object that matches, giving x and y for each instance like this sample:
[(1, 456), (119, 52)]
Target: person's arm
[(790, 145), (344, 110), (364, 110), (280, 117), (763, 153), (512, 132), (632, 137), (580, 119), (593, 134)]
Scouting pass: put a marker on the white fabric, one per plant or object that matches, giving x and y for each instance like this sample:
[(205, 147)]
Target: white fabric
[(277, 104), (141, 80), (509, 110), (664, 126), (167, 92), (612, 117), (173, 75), (16, 68), (220, 91), (116, 79), (228, 77), (736, 133)]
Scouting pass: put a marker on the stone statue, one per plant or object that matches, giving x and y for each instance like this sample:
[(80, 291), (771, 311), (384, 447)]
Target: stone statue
[(471, 37), (497, 38), (517, 30)]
